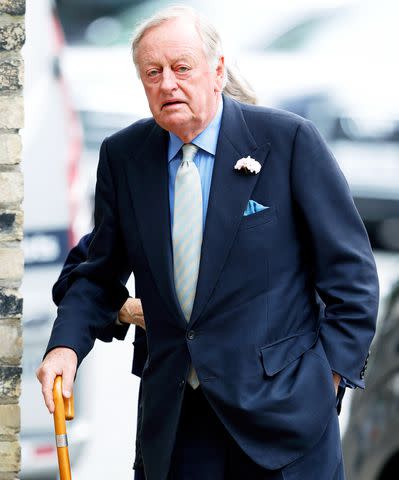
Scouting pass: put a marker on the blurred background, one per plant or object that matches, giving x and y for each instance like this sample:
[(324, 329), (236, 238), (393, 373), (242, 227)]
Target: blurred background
[(330, 61)]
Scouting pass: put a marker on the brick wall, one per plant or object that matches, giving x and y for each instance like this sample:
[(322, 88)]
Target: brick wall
[(12, 37)]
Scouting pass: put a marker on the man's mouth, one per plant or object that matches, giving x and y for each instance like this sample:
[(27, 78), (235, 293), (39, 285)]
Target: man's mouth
[(171, 102)]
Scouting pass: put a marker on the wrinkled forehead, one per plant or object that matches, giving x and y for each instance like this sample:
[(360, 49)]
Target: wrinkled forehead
[(170, 56), (176, 37)]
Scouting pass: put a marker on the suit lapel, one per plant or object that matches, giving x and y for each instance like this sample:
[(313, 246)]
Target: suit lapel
[(229, 194), (149, 189)]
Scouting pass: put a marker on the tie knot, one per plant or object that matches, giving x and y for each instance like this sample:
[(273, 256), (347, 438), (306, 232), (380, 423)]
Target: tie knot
[(189, 150)]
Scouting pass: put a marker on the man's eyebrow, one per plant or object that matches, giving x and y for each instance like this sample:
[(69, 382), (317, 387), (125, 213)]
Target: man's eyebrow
[(150, 60), (185, 56)]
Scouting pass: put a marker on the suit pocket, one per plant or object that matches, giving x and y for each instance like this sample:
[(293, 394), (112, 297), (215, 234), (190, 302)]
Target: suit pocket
[(258, 218), (278, 355)]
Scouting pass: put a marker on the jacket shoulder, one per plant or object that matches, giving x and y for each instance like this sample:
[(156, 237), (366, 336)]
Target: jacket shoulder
[(274, 119), (132, 136)]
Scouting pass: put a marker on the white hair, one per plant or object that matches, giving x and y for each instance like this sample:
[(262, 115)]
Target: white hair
[(233, 85)]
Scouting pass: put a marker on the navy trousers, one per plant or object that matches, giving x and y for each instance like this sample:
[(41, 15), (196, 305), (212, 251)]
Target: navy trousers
[(204, 450)]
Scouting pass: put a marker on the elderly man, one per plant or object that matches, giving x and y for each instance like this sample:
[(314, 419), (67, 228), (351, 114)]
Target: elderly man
[(252, 266)]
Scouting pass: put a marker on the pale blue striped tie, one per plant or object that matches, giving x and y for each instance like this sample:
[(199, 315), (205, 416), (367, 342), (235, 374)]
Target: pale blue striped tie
[(187, 235)]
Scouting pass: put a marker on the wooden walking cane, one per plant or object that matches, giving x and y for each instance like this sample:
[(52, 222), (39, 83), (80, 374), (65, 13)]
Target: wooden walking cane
[(63, 411)]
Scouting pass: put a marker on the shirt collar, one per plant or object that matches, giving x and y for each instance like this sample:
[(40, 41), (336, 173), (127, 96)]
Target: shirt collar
[(207, 139)]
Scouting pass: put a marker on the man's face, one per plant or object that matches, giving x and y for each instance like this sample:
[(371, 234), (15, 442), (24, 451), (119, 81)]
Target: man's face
[(181, 87)]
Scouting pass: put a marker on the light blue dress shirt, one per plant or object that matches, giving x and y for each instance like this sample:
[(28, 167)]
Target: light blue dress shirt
[(204, 159)]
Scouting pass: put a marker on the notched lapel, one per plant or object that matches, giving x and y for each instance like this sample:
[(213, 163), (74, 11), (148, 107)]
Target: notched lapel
[(229, 195)]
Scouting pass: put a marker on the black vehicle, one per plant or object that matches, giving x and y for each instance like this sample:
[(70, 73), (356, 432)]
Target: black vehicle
[(371, 442)]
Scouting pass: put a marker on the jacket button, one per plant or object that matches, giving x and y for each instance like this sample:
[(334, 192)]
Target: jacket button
[(191, 335), (362, 374), (181, 384)]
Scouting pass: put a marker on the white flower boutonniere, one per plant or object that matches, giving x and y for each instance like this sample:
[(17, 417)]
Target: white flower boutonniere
[(248, 166)]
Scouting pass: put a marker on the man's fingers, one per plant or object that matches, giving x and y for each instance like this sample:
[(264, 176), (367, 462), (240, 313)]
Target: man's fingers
[(59, 361), (139, 320), (47, 390), (67, 382), (132, 312), (337, 381)]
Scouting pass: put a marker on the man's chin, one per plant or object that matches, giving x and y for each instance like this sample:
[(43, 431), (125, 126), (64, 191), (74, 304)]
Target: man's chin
[(173, 122)]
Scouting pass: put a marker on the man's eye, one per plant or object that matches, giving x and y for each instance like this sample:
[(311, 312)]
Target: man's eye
[(152, 73), (182, 69)]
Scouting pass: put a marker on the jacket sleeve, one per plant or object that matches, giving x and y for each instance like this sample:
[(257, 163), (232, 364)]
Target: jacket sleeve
[(77, 255), (344, 270), (94, 291)]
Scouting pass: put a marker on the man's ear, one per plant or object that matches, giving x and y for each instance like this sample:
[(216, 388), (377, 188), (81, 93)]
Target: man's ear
[(220, 68)]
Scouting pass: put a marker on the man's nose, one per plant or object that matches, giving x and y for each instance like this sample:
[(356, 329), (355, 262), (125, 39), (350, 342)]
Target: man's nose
[(168, 82)]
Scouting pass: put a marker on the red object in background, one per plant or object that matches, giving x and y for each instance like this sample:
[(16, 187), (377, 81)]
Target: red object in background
[(43, 450)]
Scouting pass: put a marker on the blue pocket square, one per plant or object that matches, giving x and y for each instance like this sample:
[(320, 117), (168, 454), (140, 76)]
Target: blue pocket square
[(254, 207)]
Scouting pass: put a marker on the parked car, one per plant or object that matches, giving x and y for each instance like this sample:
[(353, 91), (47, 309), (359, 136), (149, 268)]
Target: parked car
[(51, 153), (371, 442), (346, 52)]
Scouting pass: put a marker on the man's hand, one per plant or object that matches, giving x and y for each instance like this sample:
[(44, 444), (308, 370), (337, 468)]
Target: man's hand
[(59, 361), (337, 380), (132, 312)]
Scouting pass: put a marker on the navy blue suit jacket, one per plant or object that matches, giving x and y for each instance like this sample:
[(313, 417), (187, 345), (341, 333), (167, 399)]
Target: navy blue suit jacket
[(261, 345)]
